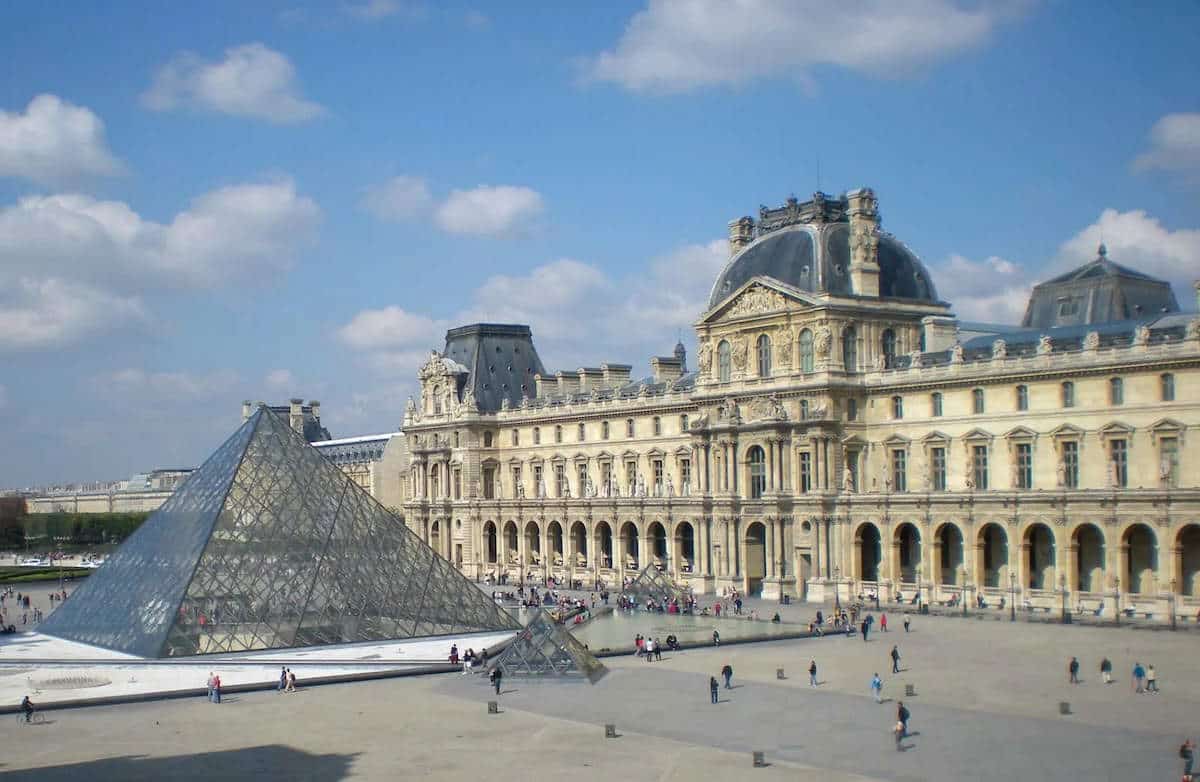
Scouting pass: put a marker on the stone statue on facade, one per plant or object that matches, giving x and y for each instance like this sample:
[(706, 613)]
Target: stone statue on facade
[(783, 350), (914, 360), (670, 487), (1045, 346), (1193, 329), (704, 356), (1164, 471), (1091, 340), (520, 490), (1141, 335), (956, 353), (848, 481), (740, 353), (823, 341), (589, 489), (641, 486), (999, 350), (1060, 472)]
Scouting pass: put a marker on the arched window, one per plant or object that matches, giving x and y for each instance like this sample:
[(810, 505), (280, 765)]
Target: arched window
[(437, 400), (977, 401), (764, 355), (724, 362), (806, 351), (1167, 386), (850, 349), (758, 472), (887, 343)]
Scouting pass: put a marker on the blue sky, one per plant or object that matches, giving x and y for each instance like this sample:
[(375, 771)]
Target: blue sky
[(266, 200)]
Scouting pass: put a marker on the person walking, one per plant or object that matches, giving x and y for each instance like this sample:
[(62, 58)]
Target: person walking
[(906, 621), (895, 660), (291, 684), (216, 690), (282, 679), (883, 623), (713, 687), (902, 716), (1106, 670), (657, 650), (864, 627), (898, 734), (210, 686), (716, 638), (727, 673), (497, 675), (1187, 753), (877, 688), (1151, 679), (1073, 671), (812, 674), (1139, 677)]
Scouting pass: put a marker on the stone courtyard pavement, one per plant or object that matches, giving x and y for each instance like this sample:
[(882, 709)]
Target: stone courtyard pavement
[(986, 708)]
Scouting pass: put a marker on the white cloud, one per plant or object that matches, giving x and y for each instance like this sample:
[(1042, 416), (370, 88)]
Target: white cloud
[(280, 380), (72, 266), (477, 20), (373, 10), (399, 198), (167, 386), (1174, 145), (681, 45), (54, 141), (37, 314), (1137, 240), (501, 210), (993, 290), (251, 81), (395, 341), (227, 234)]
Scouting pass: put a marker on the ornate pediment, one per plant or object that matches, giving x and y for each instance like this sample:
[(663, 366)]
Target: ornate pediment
[(759, 296)]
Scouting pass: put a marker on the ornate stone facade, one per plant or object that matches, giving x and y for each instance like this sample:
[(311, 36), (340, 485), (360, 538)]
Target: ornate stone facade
[(834, 441)]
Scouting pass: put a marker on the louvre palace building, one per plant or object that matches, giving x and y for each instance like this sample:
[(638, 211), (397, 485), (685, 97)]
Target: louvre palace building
[(841, 431)]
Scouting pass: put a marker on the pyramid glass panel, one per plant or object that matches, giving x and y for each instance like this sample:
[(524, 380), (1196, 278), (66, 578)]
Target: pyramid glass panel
[(270, 546), (544, 648), (653, 584)]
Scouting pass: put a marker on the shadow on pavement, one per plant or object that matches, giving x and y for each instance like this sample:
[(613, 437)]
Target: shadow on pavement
[(270, 762)]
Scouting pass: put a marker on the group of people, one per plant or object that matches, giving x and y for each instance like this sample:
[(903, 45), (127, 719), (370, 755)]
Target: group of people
[(1144, 680), (843, 622), (287, 680), (469, 659), (714, 688)]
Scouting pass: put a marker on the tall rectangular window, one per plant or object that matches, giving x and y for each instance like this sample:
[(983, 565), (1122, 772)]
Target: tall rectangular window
[(1168, 452), (582, 471), (629, 427), (977, 401), (1022, 398), (683, 424), (516, 482), (897, 407), (631, 476), (604, 430), (685, 475), (1116, 391), (456, 483), (937, 468), (851, 409), (581, 434), (657, 467), (537, 435), (1068, 394), (516, 436), (935, 405), (1119, 450), (558, 434), (805, 472), (489, 483), (657, 426), (1024, 466), (1167, 387), (1070, 457), (899, 469), (539, 487), (852, 469), (560, 480), (606, 475), (979, 466)]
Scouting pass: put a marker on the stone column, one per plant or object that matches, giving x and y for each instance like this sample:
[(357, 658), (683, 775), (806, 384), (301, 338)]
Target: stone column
[(770, 465), (772, 570)]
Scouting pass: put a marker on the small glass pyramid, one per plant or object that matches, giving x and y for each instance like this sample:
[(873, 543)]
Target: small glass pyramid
[(270, 546), (544, 648), (652, 584)]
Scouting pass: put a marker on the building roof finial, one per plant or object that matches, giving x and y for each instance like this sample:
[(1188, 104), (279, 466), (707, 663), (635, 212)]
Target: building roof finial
[(1103, 251)]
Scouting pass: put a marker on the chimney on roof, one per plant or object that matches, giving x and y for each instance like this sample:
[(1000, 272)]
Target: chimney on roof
[(590, 378), (568, 382), (864, 241), (246, 409), (741, 233), (296, 415), (316, 409), (616, 375), (666, 369), (1196, 285), (541, 386)]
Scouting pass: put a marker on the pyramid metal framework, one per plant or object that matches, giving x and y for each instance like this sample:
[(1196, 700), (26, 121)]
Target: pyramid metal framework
[(653, 584), (544, 648), (270, 546)]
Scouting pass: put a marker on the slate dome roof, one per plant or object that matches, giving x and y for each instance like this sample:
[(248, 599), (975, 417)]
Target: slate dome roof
[(815, 257)]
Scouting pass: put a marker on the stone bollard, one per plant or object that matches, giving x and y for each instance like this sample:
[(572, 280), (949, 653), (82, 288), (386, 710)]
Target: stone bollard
[(759, 760), (493, 707), (1064, 707), (910, 691), (779, 673), (610, 730)]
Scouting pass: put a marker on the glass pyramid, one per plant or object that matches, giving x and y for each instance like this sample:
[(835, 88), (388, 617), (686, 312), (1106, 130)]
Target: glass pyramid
[(270, 546), (653, 584), (544, 648)]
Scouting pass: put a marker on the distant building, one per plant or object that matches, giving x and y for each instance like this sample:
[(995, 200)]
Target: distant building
[(303, 418)]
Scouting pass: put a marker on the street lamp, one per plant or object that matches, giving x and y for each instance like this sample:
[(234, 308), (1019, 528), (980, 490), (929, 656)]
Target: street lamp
[(964, 589), (1172, 604), (1062, 583), (1012, 597), (837, 604), (1117, 598)]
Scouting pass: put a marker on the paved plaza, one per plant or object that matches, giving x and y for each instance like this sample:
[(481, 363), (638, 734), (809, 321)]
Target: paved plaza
[(986, 708)]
